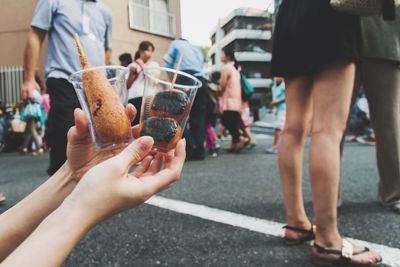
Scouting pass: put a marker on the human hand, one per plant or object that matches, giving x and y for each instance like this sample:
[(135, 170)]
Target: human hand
[(273, 103), (133, 70), (109, 187), (81, 153), (28, 87), (140, 62)]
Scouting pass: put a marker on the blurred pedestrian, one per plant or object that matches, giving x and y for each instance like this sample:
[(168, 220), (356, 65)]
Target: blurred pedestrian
[(91, 20), (135, 82), (279, 106), (192, 63), (32, 114), (317, 62), (125, 59), (360, 129), (213, 93), (245, 130), (231, 99), (380, 71)]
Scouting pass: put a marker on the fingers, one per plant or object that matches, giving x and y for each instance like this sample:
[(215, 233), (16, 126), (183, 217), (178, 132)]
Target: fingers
[(131, 111), (81, 123), (136, 131), (163, 179), (156, 164), (24, 94), (154, 184), (143, 167), (179, 156), (135, 151), (79, 132)]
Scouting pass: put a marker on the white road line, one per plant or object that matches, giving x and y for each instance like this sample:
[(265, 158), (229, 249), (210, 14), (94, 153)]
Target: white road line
[(262, 136), (391, 256)]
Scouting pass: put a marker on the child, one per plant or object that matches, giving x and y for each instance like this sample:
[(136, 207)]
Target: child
[(32, 114), (278, 103)]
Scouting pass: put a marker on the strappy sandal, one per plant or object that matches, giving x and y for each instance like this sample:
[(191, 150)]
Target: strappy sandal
[(2, 198), (309, 235), (346, 253)]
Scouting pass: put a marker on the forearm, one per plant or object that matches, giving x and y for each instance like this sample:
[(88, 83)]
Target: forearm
[(31, 54), (279, 101), (17, 223), (53, 239), (130, 80)]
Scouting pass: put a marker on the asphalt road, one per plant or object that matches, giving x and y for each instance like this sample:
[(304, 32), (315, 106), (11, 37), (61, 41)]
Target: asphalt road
[(246, 183)]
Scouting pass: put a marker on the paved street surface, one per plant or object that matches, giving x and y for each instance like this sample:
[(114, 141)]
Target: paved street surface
[(235, 219)]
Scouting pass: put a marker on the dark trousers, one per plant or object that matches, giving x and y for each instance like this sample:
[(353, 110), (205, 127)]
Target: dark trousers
[(137, 103), (195, 132), (381, 79), (232, 122), (63, 101)]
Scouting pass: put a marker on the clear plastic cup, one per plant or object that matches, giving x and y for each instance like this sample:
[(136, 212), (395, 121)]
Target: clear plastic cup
[(166, 105), (116, 76)]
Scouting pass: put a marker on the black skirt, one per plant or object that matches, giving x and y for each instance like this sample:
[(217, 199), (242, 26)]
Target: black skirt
[(310, 35)]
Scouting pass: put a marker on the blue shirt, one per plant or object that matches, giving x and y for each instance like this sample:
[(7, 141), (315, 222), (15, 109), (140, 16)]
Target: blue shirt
[(193, 58), (91, 20), (279, 95)]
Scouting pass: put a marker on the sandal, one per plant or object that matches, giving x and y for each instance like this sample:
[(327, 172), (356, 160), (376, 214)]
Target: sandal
[(38, 152), (309, 235), (250, 146), (2, 198), (346, 253)]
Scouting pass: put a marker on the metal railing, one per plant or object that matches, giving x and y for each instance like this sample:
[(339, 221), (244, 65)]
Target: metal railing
[(11, 79), (151, 20)]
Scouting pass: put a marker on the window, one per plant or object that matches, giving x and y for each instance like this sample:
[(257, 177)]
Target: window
[(151, 16)]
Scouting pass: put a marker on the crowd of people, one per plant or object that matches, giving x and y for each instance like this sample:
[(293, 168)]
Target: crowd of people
[(315, 68)]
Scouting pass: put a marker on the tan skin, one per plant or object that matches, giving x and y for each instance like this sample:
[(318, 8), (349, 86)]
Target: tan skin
[(82, 156), (145, 56), (67, 206), (319, 104)]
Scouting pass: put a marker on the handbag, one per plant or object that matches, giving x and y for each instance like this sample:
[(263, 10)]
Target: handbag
[(17, 126), (367, 7), (32, 111), (247, 88)]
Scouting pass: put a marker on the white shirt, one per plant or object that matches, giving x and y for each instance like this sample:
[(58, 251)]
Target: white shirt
[(137, 87)]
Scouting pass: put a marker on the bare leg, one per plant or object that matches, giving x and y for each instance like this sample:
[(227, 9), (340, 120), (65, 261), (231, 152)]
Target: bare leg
[(277, 137), (36, 136), (297, 127), (332, 91), (28, 134), (247, 133)]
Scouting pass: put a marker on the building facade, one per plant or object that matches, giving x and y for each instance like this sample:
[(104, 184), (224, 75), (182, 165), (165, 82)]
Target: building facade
[(158, 21), (249, 33)]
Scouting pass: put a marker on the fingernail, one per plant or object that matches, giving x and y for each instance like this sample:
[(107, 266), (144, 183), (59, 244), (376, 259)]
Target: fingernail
[(145, 141)]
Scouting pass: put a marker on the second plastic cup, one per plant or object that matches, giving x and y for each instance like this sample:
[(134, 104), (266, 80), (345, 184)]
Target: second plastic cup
[(116, 76), (166, 105)]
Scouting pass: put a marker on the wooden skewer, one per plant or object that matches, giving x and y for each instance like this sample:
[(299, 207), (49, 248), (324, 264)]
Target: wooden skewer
[(177, 68), (84, 61)]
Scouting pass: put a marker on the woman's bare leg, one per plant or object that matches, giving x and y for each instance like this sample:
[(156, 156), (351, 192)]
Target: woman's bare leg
[(297, 127), (332, 90)]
